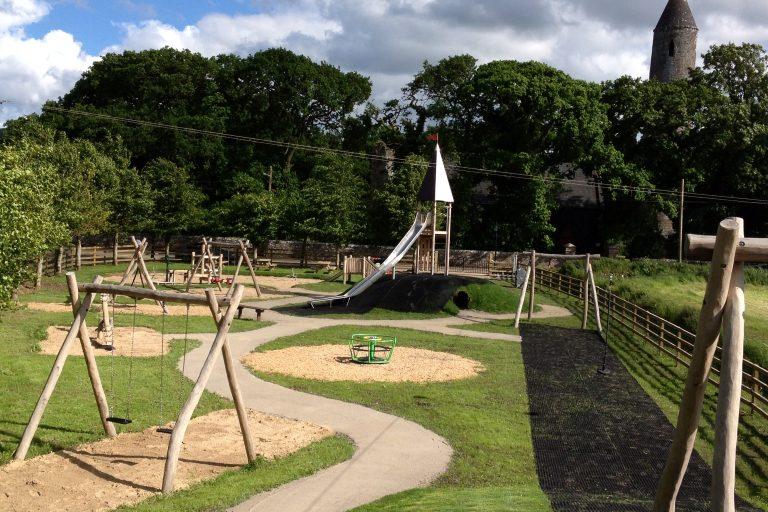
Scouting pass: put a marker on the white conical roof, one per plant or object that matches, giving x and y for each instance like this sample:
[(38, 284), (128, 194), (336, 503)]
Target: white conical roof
[(436, 186)]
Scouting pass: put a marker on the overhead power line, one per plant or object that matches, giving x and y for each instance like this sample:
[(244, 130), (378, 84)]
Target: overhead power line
[(671, 193)]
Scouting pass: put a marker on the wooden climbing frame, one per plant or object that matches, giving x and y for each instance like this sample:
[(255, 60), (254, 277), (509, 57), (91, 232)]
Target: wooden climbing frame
[(207, 266)]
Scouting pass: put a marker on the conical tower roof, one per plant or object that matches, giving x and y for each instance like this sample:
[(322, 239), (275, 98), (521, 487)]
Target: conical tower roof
[(436, 186), (676, 15)]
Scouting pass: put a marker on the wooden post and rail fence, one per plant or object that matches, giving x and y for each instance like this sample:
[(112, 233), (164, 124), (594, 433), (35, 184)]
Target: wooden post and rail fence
[(665, 336)]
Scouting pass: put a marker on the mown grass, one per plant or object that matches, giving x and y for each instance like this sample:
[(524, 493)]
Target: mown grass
[(485, 419), (663, 381)]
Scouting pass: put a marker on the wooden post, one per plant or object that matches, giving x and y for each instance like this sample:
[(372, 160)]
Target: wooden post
[(728, 404), (78, 253), (195, 267), (521, 302), (234, 386), (448, 239), (531, 302), (234, 276), (244, 254), (729, 393), (433, 251), (114, 251), (90, 358), (755, 388), (344, 271), (182, 422), (59, 260), (707, 334), (595, 299), (585, 316), (53, 379), (39, 274), (680, 225)]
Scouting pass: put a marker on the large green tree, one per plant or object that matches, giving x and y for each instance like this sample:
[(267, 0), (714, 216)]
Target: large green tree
[(28, 222)]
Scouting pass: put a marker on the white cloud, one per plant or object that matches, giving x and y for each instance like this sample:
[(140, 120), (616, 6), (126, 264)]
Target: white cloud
[(33, 70), (17, 13), (218, 33)]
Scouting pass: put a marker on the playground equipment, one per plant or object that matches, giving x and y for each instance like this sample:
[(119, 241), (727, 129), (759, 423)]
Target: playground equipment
[(210, 268), (371, 348), (137, 267), (419, 223), (723, 309), (79, 329), (435, 189), (589, 289)]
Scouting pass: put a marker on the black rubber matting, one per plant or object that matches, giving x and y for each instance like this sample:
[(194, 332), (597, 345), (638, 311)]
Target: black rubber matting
[(600, 441)]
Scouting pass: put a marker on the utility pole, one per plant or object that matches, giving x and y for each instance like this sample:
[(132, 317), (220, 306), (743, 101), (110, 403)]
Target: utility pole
[(680, 226)]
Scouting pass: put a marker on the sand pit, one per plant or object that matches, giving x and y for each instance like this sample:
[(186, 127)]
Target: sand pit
[(146, 342), (125, 470), (332, 363)]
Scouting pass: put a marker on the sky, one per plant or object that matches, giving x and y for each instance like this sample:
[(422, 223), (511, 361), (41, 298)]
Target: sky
[(45, 45)]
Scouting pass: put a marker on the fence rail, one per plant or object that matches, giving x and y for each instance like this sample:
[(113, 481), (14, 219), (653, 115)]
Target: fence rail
[(669, 338)]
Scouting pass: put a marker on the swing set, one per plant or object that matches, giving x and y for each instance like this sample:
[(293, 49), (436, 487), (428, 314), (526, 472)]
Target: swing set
[(222, 310)]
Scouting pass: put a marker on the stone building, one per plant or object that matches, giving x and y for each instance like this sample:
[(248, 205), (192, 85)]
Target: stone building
[(674, 43)]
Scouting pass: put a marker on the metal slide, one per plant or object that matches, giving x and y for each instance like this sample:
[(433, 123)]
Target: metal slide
[(421, 221)]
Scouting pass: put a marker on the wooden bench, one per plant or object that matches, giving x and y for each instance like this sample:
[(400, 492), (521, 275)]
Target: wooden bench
[(258, 311)]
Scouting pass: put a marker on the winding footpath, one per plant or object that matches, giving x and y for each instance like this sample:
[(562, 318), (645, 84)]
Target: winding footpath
[(392, 454)]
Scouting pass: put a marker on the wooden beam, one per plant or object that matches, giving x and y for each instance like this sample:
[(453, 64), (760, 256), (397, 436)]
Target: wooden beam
[(749, 250), (531, 302), (90, 358), (521, 303), (234, 386), (180, 427), (595, 299), (146, 293), (568, 257), (729, 393), (707, 334), (234, 276), (244, 252), (585, 316), (53, 379)]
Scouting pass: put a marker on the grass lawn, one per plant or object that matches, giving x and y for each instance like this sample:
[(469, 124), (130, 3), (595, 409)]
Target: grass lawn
[(663, 381), (72, 417), (485, 419)]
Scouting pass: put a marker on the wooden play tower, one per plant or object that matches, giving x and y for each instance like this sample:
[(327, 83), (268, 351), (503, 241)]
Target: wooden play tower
[(435, 189)]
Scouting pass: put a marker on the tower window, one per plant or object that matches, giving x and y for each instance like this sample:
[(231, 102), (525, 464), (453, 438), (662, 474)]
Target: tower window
[(672, 48)]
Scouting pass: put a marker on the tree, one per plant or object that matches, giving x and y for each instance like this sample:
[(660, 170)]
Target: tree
[(175, 87), (396, 204), (737, 71), (176, 202), (28, 222), (329, 207)]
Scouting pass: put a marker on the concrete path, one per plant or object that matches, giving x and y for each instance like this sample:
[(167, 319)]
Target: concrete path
[(392, 454)]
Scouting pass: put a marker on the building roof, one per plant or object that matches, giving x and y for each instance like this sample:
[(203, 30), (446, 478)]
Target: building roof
[(436, 186), (676, 15)]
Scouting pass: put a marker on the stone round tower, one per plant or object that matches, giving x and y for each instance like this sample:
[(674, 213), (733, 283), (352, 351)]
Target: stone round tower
[(674, 43)]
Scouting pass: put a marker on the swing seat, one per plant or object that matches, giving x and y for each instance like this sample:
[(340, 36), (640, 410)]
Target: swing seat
[(119, 421)]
